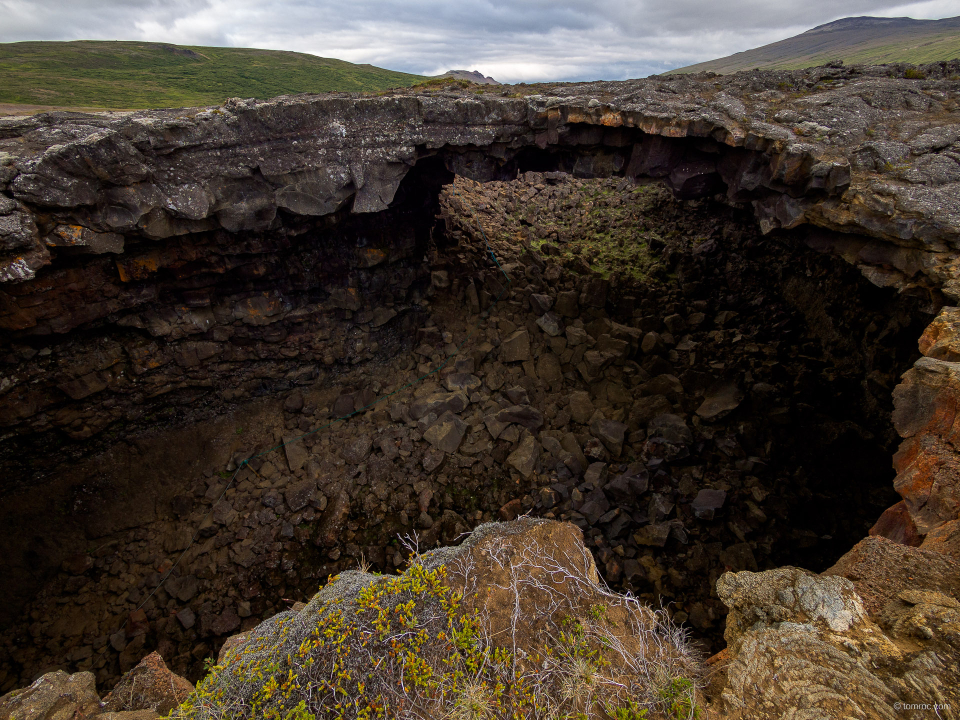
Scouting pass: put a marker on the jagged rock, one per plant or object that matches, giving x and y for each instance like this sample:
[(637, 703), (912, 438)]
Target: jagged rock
[(896, 524), (807, 644), (293, 403), (551, 324), (516, 347), (525, 415), (581, 407), (433, 459), (526, 457), (446, 433), (707, 502), (439, 403), (596, 473), (184, 588), (540, 304), (944, 539), (223, 513), (149, 686), (927, 464), (568, 304), (296, 453), (381, 316), (647, 408), (511, 511), (549, 369), (187, 618), (720, 399), (625, 489), (359, 450), (655, 534), (299, 495), (55, 696), (334, 518), (611, 433), (465, 382), (880, 569)]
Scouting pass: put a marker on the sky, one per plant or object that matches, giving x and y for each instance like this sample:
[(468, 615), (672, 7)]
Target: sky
[(510, 40)]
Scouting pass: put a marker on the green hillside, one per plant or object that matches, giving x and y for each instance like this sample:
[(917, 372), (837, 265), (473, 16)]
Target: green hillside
[(133, 75), (865, 40)]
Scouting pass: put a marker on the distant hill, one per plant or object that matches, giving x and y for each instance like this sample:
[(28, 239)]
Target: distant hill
[(867, 40), (473, 76), (131, 75)]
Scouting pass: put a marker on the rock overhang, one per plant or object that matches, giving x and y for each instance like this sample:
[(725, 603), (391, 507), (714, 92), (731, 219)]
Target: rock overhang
[(159, 174)]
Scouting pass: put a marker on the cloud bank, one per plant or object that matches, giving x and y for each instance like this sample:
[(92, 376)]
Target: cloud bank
[(511, 40)]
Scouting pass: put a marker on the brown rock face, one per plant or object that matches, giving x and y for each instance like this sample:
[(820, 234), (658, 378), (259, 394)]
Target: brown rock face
[(880, 569), (55, 696), (149, 686)]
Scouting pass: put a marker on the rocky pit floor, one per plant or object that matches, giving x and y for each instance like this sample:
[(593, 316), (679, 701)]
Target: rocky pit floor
[(653, 372)]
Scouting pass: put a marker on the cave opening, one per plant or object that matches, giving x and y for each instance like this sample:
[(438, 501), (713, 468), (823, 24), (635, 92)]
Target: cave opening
[(699, 397)]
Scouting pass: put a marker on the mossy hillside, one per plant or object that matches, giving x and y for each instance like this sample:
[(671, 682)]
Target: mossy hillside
[(132, 75)]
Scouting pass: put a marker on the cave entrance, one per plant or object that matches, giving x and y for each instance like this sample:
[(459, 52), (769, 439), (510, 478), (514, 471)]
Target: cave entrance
[(694, 395)]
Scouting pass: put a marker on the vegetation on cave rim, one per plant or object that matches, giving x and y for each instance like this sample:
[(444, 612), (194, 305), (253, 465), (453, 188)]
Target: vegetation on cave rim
[(132, 75), (602, 231), (409, 646)]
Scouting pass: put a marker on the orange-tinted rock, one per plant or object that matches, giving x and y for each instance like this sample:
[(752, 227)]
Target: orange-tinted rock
[(896, 524), (941, 339), (928, 464), (944, 539), (149, 686)]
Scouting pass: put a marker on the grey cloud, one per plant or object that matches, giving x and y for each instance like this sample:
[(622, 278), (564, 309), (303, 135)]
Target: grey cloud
[(512, 40)]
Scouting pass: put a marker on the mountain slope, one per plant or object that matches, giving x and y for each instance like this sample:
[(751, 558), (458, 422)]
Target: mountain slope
[(868, 40), (144, 75)]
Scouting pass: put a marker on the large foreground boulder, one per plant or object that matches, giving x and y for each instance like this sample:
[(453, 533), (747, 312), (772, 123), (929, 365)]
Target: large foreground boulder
[(513, 622)]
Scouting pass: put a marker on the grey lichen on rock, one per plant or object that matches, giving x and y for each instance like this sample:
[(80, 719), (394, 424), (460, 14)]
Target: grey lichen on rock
[(803, 645)]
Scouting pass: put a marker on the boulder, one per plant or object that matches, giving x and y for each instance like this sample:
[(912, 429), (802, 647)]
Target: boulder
[(707, 502), (149, 686), (299, 495), (525, 415), (551, 324), (516, 347), (359, 450), (55, 696), (446, 433), (526, 457), (720, 400), (296, 453), (581, 407), (611, 433)]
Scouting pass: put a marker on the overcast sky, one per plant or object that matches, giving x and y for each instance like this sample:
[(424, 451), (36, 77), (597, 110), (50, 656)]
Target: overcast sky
[(511, 40)]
